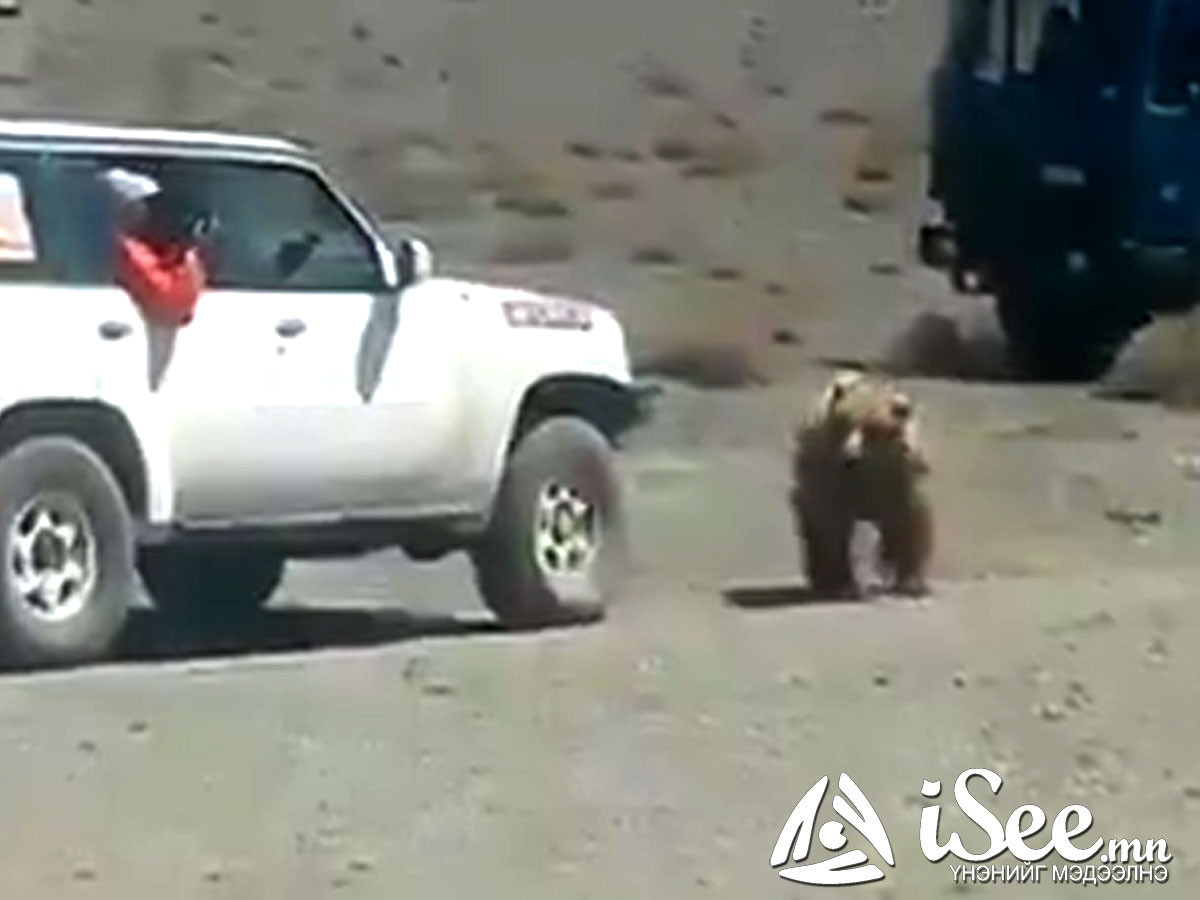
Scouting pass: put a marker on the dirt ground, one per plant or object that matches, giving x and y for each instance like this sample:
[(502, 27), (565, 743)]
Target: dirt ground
[(375, 735)]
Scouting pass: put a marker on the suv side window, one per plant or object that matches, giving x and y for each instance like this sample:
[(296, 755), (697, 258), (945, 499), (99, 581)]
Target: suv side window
[(275, 226), (51, 208), (20, 258), (278, 228)]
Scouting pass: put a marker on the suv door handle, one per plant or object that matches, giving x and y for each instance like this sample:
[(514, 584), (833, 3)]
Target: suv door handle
[(114, 331), (290, 328)]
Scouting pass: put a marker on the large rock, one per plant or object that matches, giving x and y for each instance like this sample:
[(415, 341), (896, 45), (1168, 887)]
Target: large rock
[(1162, 362)]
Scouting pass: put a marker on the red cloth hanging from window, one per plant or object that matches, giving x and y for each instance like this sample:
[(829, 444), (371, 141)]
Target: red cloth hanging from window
[(165, 283)]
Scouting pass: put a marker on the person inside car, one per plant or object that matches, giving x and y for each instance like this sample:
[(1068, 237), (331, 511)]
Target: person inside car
[(157, 256)]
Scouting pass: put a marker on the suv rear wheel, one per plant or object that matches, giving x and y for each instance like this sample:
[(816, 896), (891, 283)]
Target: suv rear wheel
[(66, 544), (215, 584), (555, 547)]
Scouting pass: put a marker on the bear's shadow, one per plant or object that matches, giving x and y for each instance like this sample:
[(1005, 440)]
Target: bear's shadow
[(777, 596)]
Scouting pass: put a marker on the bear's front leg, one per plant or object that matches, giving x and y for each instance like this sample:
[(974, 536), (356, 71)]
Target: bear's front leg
[(907, 546)]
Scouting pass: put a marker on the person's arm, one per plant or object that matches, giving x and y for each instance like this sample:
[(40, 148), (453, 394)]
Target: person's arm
[(166, 288)]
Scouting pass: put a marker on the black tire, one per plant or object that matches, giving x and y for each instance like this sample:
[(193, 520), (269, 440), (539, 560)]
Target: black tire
[(49, 488), (1053, 340), (566, 463), (215, 585)]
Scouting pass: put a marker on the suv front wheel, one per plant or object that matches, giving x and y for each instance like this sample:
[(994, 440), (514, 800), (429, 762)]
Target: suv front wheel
[(66, 543), (555, 547)]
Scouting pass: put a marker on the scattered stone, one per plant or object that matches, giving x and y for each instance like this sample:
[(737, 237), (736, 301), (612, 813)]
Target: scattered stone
[(1191, 792), (871, 174), (860, 205), (138, 728), (584, 150), (1078, 696), (785, 337), (658, 81), (843, 116), (1134, 519), (654, 256), (533, 250), (361, 865), (959, 680), (1158, 651), (84, 874), (649, 665), (614, 190), (361, 32), (725, 273), (532, 207), (702, 169), (1051, 712), (775, 289), (87, 746), (628, 155), (214, 876), (674, 150), (881, 679), (1189, 466), (415, 669), (438, 688), (886, 267), (210, 18), (393, 61)]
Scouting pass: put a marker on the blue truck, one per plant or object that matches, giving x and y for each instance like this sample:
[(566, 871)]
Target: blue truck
[(1065, 168)]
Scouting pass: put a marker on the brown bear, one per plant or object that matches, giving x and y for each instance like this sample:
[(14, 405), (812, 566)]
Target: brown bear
[(857, 458)]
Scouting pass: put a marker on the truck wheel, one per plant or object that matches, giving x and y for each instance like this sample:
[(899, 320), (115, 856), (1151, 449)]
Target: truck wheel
[(1047, 341), (192, 583), (66, 541), (555, 546)]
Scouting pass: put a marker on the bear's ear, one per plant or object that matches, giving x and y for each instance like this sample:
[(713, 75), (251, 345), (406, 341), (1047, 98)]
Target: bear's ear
[(903, 408), (842, 383)]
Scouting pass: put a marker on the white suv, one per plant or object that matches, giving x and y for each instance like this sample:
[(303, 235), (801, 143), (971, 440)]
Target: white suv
[(330, 397)]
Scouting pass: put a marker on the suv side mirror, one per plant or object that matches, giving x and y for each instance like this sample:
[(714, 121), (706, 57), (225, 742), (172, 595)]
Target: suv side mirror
[(414, 261)]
